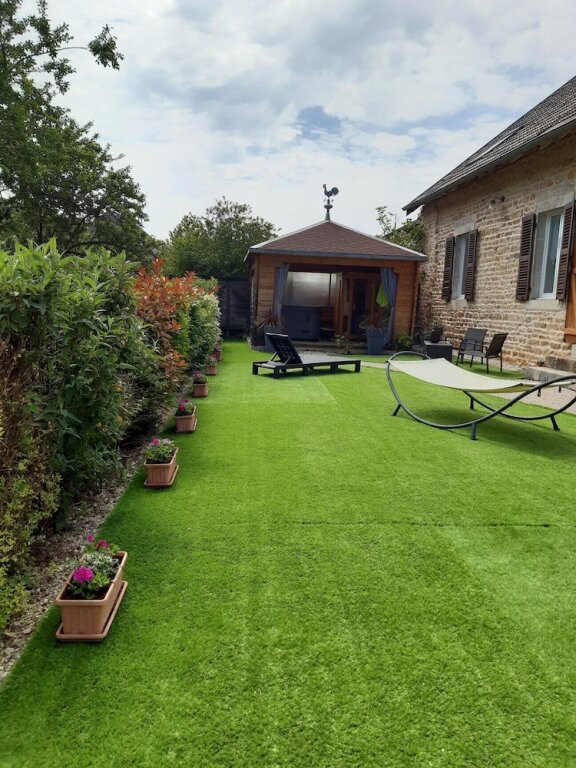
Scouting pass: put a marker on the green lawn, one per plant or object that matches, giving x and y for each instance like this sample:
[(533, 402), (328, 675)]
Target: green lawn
[(325, 586)]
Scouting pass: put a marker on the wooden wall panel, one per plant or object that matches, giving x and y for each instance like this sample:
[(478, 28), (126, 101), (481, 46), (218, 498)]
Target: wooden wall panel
[(407, 272)]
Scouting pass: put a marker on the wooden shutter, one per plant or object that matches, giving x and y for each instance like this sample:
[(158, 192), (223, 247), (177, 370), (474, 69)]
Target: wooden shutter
[(448, 262), (470, 274), (525, 260), (565, 252)]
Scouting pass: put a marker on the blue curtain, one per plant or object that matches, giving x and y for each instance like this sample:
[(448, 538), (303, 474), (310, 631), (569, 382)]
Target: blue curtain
[(279, 283), (389, 283)]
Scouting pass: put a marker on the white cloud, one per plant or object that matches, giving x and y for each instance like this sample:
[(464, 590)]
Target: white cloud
[(207, 99)]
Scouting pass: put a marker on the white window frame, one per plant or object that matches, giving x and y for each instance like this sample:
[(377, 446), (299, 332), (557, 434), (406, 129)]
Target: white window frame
[(541, 251), (459, 266)]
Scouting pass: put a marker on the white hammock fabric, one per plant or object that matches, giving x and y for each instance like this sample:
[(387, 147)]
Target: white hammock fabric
[(445, 374)]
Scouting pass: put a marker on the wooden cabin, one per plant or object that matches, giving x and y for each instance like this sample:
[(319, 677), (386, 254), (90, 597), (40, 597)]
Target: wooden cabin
[(329, 277)]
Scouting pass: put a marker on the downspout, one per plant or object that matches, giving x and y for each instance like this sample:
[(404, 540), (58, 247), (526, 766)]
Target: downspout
[(256, 308)]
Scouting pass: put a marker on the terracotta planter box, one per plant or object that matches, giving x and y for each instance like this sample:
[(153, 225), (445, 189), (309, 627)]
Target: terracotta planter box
[(210, 370), (161, 475), (200, 390), (186, 422), (90, 620), (217, 354)]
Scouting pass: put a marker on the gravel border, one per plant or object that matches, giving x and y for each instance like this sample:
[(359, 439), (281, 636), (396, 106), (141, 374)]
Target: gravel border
[(58, 552)]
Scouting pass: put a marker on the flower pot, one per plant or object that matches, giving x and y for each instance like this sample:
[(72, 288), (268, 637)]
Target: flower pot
[(161, 475), (210, 370), (200, 389), (185, 422), (375, 341), (90, 620), (435, 335)]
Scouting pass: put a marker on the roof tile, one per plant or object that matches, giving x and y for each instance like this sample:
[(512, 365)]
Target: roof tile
[(329, 239), (554, 113)]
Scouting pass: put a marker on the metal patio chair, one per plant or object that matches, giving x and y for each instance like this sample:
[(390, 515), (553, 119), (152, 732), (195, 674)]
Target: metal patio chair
[(493, 350), (472, 343)]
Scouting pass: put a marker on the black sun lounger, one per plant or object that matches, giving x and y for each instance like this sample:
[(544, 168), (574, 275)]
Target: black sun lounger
[(287, 358)]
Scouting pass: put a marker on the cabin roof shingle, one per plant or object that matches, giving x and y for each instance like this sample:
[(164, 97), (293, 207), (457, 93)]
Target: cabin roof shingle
[(549, 119), (327, 239)]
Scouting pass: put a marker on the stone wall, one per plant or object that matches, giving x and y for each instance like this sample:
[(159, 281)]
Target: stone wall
[(494, 205)]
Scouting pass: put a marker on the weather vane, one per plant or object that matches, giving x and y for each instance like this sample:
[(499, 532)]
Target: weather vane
[(329, 193)]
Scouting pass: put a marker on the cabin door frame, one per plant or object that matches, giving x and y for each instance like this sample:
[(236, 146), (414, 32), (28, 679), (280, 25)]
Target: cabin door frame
[(357, 299)]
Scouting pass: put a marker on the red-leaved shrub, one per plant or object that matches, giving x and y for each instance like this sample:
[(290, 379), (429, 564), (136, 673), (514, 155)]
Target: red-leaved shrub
[(163, 303)]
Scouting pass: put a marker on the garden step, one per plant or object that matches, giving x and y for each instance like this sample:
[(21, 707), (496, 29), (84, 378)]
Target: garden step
[(563, 364), (541, 373)]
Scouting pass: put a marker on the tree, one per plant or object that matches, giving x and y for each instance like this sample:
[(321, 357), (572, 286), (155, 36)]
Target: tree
[(31, 45), (410, 234), (56, 179), (215, 244)]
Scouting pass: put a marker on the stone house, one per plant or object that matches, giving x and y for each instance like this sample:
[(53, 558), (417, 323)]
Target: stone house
[(499, 235)]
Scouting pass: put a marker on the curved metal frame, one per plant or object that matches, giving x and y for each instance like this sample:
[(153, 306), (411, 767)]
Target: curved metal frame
[(560, 382)]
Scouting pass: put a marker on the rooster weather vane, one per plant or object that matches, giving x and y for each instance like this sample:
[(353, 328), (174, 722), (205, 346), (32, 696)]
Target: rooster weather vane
[(329, 193)]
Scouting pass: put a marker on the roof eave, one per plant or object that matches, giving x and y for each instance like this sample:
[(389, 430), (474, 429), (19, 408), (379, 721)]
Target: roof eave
[(542, 139), (409, 256)]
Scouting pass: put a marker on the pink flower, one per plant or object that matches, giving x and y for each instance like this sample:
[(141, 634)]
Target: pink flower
[(82, 575), (102, 544), (89, 538), (155, 441)]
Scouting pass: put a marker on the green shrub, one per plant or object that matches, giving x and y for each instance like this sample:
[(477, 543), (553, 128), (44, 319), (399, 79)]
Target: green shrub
[(79, 375), (204, 328), (181, 339), (74, 320), (403, 342), (28, 489)]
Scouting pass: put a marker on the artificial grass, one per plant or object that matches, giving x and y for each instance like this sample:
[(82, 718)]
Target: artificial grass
[(325, 586)]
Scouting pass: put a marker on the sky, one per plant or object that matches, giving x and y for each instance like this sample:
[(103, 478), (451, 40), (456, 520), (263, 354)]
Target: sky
[(264, 102)]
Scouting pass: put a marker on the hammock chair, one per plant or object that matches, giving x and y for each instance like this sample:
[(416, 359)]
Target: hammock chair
[(444, 374)]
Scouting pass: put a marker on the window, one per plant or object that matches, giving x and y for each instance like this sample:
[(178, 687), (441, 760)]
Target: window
[(492, 145), (459, 266), (309, 289), (546, 254)]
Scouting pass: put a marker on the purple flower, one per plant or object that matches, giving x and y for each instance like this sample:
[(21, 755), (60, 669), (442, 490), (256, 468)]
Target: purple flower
[(83, 574), (90, 538), (102, 544)]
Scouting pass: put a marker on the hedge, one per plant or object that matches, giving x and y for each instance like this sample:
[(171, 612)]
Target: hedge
[(84, 367)]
